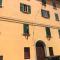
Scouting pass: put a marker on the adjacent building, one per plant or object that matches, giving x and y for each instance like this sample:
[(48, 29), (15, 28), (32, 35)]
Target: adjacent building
[(29, 29)]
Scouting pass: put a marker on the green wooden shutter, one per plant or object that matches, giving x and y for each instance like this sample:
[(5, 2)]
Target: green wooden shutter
[(53, 3), (59, 32), (29, 9), (21, 7), (43, 2), (26, 29), (48, 33), (0, 2), (57, 17), (48, 14)]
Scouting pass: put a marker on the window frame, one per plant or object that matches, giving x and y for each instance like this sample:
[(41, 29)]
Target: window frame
[(45, 13), (25, 8)]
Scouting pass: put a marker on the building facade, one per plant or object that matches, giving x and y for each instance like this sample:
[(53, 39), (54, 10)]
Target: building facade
[(29, 29)]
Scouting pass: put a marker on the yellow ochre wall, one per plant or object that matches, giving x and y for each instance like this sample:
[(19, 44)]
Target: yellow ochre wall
[(12, 41)]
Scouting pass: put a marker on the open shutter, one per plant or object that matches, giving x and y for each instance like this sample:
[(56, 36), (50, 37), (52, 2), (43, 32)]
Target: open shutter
[(29, 9), (21, 7)]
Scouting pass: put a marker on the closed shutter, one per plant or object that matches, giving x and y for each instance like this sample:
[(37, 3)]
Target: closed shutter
[(43, 13), (59, 33), (43, 2), (48, 14), (1, 57), (0, 3), (48, 33), (51, 51), (29, 9), (21, 7), (26, 28), (53, 3), (57, 17), (26, 53)]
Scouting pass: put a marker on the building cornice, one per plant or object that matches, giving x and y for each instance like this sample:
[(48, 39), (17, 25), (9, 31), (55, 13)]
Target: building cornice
[(26, 22)]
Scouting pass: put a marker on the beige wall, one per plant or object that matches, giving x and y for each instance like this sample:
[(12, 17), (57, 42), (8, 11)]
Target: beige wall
[(12, 41)]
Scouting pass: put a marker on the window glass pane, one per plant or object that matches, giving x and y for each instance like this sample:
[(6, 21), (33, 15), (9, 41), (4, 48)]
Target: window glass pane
[(25, 8), (45, 13)]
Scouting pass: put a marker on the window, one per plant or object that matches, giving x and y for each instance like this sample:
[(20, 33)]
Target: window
[(25, 8), (45, 13), (26, 53), (57, 17), (53, 58), (48, 33), (1, 57), (44, 2), (26, 29), (51, 51), (53, 3), (59, 33), (0, 3)]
